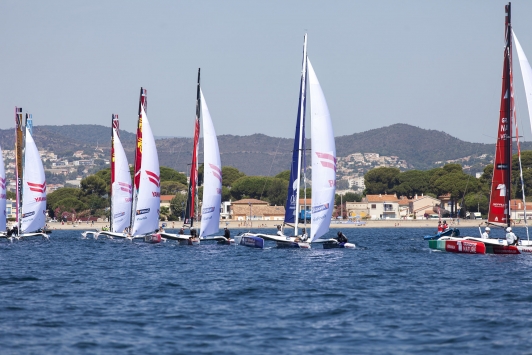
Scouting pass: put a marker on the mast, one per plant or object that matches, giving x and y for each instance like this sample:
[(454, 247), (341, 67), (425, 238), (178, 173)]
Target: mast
[(292, 201), (18, 161), (499, 211), (190, 214), (143, 102), (114, 126)]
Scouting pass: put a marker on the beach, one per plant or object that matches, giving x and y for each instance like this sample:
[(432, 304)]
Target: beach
[(231, 224)]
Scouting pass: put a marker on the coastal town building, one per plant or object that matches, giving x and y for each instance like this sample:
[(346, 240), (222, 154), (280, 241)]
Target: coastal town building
[(383, 206), (246, 209)]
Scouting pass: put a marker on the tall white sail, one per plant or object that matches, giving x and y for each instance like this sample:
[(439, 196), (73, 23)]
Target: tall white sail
[(526, 71), (148, 198), (212, 181), (3, 197), (33, 188), (121, 197), (323, 159)]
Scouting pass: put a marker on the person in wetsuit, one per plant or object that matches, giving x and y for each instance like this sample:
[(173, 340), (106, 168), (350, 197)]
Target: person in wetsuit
[(227, 234), (341, 238)]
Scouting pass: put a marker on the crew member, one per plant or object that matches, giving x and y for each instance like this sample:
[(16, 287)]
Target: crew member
[(304, 235), (341, 238), (182, 231), (445, 226), (511, 238), (440, 227), (280, 231), (486, 233), (227, 234)]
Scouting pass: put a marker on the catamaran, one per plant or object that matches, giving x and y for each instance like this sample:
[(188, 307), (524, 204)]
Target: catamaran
[(212, 181), (121, 189), (323, 153), (499, 207), (31, 184), (3, 197)]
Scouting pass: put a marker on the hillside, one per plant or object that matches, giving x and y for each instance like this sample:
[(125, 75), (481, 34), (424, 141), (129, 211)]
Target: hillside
[(259, 154)]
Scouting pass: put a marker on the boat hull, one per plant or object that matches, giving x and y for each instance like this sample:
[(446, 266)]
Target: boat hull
[(458, 246), (336, 245), (252, 242), (297, 245), (153, 238)]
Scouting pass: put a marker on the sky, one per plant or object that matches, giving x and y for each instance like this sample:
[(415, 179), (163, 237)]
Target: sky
[(432, 64)]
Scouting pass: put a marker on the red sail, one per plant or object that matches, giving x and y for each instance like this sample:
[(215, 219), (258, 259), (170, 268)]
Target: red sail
[(143, 102), (499, 211), (191, 198), (114, 122)]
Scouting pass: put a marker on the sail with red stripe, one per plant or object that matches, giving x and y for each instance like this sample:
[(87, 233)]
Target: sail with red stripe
[(499, 211), (193, 181)]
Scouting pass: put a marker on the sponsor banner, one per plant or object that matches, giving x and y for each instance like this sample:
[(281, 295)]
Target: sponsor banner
[(207, 210), (25, 215), (143, 211), (320, 208)]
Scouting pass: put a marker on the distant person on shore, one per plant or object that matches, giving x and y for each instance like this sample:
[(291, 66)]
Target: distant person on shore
[(486, 234), (440, 227), (511, 238)]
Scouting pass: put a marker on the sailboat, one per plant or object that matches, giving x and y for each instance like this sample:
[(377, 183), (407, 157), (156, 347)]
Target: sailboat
[(3, 197), (121, 189), (499, 207), (323, 153), (31, 184), (212, 181)]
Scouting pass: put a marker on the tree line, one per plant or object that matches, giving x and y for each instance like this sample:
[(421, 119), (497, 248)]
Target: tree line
[(465, 189)]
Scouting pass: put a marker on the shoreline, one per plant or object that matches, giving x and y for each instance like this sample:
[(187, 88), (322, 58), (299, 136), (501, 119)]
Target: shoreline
[(236, 225)]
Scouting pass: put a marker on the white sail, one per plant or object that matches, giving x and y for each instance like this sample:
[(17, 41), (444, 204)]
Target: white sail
[(121, 197), (526, 71), (3, 197), (323, 159), (212, 181), (33, 189), (148, 198)]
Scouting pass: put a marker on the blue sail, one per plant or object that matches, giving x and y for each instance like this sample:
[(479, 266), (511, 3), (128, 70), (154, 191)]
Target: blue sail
[(293, 185)]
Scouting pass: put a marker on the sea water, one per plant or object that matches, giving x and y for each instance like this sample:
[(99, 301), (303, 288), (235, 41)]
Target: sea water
[(390, 295)]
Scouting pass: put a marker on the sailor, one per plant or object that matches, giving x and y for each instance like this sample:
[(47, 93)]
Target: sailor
[(227, 234), (304, 235), (486, 233), (280, 230), (182, 231), (440, 227), (445, 226), (341, 238), (511, 238)]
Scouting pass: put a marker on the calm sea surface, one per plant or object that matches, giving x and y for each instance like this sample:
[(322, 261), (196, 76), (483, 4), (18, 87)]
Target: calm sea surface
[(390, 295)]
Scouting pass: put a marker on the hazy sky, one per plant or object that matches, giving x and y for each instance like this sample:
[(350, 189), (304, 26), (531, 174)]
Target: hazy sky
[(433, 64)]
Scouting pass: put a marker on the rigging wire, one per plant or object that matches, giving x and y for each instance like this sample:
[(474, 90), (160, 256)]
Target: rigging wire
[(271, 166)]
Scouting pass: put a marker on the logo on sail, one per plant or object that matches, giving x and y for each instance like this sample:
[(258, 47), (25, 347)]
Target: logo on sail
[(216, 172), (327, 160), (3, 183), (119, 214), (154, 178), (320, 208), (37, 187), (502, 166), (143, 211), (208, 210), (29, 214), (125, 187)]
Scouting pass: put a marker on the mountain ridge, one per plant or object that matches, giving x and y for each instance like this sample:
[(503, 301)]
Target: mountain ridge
[(259, 154)]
